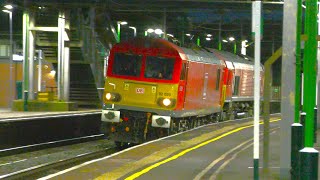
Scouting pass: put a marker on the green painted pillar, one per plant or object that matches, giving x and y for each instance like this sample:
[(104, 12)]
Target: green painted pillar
[(198, 41), (309, 155), (310, 69), (235, 48)]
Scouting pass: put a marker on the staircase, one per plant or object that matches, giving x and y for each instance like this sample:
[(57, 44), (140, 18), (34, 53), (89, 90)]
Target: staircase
[(87, 53)]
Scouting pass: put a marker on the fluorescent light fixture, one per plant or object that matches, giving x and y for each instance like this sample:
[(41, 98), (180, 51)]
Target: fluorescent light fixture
[(150, 30), (123, 22), (209, 35), (158, 31), (188, 34), (231, 39), (208, 39), (170, 35), (8, 6), (224, 40), (6, 11)]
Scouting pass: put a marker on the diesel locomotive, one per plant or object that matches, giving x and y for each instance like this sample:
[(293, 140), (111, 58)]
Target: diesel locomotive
[(154, 87)]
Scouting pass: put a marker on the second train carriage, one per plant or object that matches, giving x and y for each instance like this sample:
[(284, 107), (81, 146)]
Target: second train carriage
[(154, 87)]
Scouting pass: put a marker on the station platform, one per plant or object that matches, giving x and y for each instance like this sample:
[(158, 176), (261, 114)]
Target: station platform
[(216, 151), (6, 113)]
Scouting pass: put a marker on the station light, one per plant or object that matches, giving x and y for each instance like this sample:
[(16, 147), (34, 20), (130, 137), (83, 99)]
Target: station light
[(134, 30), (8, 6), (158, 31), (208, 39), (209, 35), (123, 22), (170, 35), (224, 41), (231, 39), (188, 34), (6, 11), (150, 30)]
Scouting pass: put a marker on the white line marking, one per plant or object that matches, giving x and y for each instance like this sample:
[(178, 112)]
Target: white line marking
[(203, 172), (262, 167), (12, 162)]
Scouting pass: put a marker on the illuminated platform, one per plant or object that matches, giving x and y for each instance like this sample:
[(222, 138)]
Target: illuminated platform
[(34, 105), (221, 151)]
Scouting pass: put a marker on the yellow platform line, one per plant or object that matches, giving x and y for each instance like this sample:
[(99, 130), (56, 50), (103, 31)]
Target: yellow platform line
[(134, 176)]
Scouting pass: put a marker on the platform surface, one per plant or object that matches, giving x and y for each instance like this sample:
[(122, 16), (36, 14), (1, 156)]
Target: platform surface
[(221, 151)]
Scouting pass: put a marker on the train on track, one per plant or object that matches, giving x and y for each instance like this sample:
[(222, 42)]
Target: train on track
[(154, 88)]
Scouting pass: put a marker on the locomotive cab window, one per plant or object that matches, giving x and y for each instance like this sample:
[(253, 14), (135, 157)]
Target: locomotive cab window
[(159, 68), (127, 64)]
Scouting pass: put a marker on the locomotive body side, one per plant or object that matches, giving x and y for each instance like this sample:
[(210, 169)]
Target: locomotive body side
[(204, 83), (240, 94)]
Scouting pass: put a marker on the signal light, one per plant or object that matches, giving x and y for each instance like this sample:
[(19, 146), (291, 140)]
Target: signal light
[(113, 129), (127, 129)]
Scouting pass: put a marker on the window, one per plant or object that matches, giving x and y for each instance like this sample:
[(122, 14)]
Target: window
[(159, 67), (4, 50), (218, 79), (236, 85), (183, 71), (127, 64)]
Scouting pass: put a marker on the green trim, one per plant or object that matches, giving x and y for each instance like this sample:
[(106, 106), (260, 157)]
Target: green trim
[(310, 69), (256, 169), (118, 32)]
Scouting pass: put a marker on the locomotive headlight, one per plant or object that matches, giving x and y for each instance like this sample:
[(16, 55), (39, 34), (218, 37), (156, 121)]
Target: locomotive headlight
[(112, 97), (108, 96), (166, 102)]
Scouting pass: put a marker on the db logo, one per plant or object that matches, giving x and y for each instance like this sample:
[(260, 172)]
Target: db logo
[(139, 90)]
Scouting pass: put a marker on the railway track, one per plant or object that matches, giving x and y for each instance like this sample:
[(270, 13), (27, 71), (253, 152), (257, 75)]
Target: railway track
[(37, 171), (42, 169), (51, 144)]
